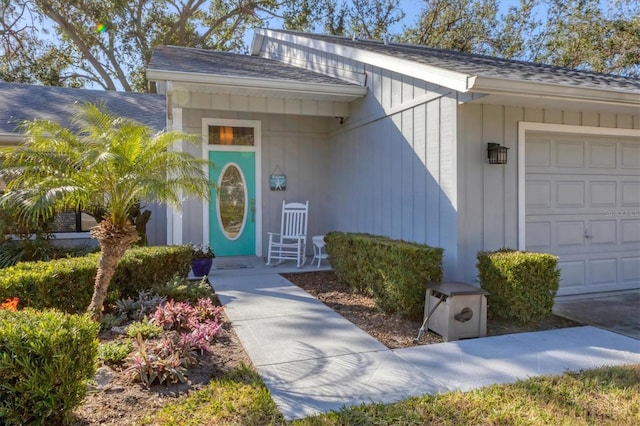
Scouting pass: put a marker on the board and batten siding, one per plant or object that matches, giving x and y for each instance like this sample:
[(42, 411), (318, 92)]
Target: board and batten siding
[(393, 163), (488, 193), (296, 145)]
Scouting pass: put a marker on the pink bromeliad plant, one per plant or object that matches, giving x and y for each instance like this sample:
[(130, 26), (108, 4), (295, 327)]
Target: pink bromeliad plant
[(192, 328)]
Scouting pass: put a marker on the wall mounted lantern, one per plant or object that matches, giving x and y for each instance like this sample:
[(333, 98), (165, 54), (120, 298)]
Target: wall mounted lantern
[(497, 154)]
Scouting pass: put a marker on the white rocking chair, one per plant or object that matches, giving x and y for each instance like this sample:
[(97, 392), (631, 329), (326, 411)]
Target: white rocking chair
[(291, 242)]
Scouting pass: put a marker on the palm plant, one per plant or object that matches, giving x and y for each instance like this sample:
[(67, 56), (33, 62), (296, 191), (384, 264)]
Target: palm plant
[(101, 163)]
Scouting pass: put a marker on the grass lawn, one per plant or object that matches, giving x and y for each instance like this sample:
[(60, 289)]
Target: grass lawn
[(594, 397)]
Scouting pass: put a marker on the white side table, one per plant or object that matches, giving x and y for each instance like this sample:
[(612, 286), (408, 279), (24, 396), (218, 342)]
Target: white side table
[(318, 245)]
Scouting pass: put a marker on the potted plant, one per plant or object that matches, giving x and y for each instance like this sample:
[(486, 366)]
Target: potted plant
[(201, 259)]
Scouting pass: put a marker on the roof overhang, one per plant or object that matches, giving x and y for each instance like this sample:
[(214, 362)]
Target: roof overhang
[(541, 95), (265, 87), (451, 79), (494, 90)]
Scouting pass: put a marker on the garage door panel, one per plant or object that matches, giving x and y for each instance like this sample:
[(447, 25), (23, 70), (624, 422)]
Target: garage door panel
[(570, 154), (630, 194), (604, 271), (630, 232), (603, 194), (570, 233), (582, 200), (538, 153), (630, 269), (539, 236), (604, 232), (602, 155), (538, 194), (570, 194), (572, 273), (630, 156)]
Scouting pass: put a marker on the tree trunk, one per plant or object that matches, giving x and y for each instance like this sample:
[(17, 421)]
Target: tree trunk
[(114, 241)]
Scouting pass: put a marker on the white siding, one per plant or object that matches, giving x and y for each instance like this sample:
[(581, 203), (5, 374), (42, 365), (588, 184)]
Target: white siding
[(396, 176), (393, 163), (488, 193)]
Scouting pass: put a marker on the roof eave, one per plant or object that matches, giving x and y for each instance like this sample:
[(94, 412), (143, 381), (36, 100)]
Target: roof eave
[(338, 92), (489, 85), (454, 80)]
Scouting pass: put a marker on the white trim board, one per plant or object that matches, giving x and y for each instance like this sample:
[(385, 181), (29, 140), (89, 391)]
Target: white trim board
[(523, 128), (174, 215)]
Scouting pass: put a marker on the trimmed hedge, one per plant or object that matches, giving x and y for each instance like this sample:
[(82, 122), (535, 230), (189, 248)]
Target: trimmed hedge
[(46, 359), (67, 284), (521, 285), (393, 272)]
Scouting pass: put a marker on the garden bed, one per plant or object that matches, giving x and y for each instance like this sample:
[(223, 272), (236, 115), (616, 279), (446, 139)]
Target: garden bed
[(115, 400)]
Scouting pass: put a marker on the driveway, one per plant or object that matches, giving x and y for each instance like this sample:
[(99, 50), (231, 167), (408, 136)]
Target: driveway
[(619, 313)]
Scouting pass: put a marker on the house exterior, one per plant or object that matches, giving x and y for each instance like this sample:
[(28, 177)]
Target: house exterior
[(20, 102), (392, 139)]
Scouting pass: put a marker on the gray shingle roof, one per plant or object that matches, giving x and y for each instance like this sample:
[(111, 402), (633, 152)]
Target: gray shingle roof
[(19, 102), (212, 62), (484, 66)]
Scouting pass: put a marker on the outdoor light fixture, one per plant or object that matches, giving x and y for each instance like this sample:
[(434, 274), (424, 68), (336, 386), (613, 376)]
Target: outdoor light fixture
[(497, 154)]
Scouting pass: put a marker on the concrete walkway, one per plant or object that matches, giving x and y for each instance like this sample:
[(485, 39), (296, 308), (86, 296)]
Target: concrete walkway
[(312, 360)]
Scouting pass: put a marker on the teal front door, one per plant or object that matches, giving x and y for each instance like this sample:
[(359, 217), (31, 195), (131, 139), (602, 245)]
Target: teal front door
[(232, 210)]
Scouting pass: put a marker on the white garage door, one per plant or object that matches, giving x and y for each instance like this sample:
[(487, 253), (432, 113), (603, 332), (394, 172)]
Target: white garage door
[(582, 198)]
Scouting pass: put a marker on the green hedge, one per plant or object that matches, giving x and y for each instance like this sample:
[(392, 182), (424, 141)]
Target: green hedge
[(67, 284), (46, 359), (521, 285), (393, 272)]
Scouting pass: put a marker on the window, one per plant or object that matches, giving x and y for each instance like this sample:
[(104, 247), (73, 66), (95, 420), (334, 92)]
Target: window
[(68, 220), (226, 135), (73, 221)]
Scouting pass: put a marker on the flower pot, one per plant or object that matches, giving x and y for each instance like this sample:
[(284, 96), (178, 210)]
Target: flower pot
[(201, 267)]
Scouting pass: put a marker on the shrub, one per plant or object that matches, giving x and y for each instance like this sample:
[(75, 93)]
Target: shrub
[(46, 359), (67, 284), (180, 289), (144, 328), (393, 272), (521, 285), (114, 353), (143, 267)]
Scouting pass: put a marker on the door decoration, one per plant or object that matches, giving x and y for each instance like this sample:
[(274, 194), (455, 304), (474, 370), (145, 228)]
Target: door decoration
[(278, 180)]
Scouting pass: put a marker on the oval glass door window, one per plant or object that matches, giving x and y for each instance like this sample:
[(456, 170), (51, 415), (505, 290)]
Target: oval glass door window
[(232, 201)]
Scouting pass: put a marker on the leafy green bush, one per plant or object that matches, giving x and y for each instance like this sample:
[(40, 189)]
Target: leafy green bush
[(521, 285), (143, 267), (46, 359), (393, 272), (180, 289), (67, 284), (144, 328), (114, 353)]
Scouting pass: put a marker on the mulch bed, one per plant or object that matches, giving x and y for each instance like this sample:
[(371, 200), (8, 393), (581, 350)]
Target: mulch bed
[(393, 330)]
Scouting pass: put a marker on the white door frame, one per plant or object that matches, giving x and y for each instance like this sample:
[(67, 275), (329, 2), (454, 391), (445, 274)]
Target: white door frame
[(523, 128), (257, 148)]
